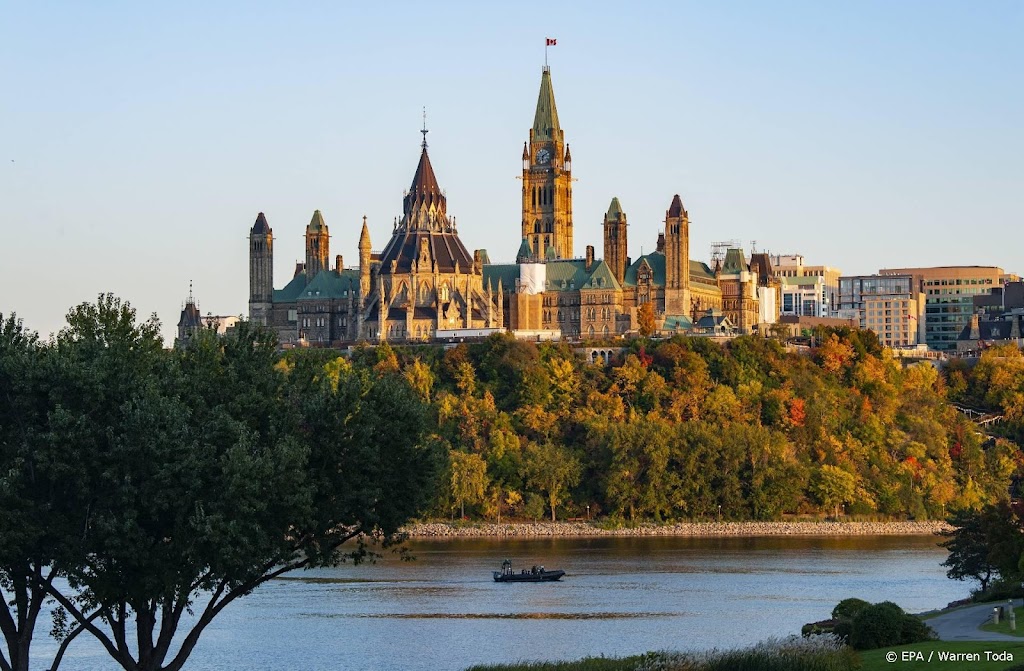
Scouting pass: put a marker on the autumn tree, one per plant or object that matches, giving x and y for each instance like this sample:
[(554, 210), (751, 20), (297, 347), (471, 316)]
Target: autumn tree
[(646, 324), (551, 470)]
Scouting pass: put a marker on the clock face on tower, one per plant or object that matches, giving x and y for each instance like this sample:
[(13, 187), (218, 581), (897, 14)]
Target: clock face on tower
[(543, 157)]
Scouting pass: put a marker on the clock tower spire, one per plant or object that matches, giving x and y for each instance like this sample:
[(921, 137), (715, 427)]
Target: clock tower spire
[(547, 180)]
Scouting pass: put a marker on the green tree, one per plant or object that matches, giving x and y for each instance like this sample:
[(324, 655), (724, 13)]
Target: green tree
[(469, 478), (982, 544), (551, 470), (219, 472), (833, 486)]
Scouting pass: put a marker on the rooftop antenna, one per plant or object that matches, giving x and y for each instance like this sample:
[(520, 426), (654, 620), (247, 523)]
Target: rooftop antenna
[(424, 131)]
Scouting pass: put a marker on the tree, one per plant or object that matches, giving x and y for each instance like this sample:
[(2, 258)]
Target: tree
[(982, 544), (833, 486), (469, 478), (551, 470), (645, 319), (221, 471), (41, 501)]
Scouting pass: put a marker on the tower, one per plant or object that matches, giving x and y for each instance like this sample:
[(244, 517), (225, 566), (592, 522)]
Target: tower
[(318, 246), (364, 261), (261, 270), (615, 249), (677, 259), (547, 180)]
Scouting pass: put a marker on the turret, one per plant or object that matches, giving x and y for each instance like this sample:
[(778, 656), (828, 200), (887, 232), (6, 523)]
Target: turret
[(364, 261), (318, 246), (261, 270), (615, 243), (677, 259)]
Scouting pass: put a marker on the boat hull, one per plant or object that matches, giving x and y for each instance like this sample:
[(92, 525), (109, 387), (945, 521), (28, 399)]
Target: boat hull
[(546, 576)]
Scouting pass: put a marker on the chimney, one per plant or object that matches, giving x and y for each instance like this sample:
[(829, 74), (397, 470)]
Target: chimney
[(661, 242), (975, 327), (338, 264), (590, 257)]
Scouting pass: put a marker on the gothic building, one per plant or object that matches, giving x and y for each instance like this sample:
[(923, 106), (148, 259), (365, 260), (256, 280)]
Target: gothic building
[(426, 285)]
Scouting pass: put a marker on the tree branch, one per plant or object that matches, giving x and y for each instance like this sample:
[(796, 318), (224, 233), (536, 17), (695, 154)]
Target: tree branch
[(70, 637), (104, 640)]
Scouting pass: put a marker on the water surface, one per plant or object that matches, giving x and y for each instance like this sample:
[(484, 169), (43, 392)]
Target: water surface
[(621, 596)]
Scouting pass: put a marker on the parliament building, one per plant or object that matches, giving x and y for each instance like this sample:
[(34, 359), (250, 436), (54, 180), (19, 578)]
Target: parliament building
[(425, 285)]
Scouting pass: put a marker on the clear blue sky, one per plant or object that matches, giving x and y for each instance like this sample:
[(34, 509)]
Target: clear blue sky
[(138, 143)]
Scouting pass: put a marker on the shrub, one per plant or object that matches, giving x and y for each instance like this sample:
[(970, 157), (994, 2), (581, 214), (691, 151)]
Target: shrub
[(848, 608), (999, 590), (884, 624)]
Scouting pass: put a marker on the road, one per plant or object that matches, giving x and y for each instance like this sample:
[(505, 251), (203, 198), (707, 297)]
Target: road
[(962, 625)]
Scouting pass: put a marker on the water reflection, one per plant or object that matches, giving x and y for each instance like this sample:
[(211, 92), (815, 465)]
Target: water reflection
[(621, 596)]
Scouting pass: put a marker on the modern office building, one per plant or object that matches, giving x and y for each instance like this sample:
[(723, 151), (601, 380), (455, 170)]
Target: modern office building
[(892, 306), (805, 296), (949, 298), (791, 266)]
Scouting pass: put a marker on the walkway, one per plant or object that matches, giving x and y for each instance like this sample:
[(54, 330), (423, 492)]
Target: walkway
[(962, 624)]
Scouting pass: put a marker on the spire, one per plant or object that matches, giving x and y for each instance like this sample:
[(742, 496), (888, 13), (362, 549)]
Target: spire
[(545, 121), (526, 153), (568, 156), (614, 210), (261, 226), (364, 236), (424, 188), (525, 253), (676, 208), (316, 224)]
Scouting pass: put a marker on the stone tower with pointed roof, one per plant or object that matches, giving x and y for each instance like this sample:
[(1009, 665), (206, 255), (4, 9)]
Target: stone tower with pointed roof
[(426, 280), (615, 249), (677, 259), (547, 180), (365, 252), (261, 270), (318, 246)]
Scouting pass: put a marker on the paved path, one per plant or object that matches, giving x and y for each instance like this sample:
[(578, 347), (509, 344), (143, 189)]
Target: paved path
[(962, 624)]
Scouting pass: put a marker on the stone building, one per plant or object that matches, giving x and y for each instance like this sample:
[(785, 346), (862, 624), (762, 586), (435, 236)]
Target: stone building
[(426, 285)]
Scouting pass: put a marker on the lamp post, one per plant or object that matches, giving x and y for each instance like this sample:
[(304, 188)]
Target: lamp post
[(588, 512)]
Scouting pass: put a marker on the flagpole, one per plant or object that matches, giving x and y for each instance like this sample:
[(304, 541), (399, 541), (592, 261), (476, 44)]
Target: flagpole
[(545, 53)]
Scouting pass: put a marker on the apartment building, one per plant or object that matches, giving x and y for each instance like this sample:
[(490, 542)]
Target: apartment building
[(792, 266), (893, 306)]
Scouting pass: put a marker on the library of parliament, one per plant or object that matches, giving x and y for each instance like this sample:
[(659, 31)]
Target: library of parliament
[(425, 285)]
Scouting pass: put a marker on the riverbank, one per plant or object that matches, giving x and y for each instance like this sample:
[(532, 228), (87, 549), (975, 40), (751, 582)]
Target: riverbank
[(440, 530)]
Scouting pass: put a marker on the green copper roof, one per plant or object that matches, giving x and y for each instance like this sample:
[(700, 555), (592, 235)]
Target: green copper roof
[(656, 260), (331, 284), (291, 290), (316, 223), (545, 121), (701, 271), (735, 261), (601, 277), (507, 273), (525, 252), (550, 254), (614, 210)]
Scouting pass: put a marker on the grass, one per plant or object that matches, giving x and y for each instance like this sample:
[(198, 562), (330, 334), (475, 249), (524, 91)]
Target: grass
[(874, 660), (1004, 625), (586, 664)]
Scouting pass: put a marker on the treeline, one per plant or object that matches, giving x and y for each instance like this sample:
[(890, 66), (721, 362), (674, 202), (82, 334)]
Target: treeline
[(142, 490), (687, 429)]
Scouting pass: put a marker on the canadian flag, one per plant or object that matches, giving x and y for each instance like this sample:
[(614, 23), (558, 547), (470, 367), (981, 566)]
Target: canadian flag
[(551, 42)]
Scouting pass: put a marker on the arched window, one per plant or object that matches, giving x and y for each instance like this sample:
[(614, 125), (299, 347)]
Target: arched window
[(604, 331), (590, 331)]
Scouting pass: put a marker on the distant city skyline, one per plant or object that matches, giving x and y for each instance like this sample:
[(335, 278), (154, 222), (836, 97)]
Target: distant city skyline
[(142, 142)]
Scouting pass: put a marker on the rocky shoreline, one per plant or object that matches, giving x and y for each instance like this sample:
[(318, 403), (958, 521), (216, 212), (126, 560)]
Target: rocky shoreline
[(442, 530)]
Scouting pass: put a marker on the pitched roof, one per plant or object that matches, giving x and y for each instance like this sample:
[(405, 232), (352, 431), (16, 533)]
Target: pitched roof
[(316, 224), (735, 261), (291, 290), (424, 187), (330, 284), (525, 253), (601, 277), (614, 210), (995, 329), (261, 226), (656, 260), (446, 250), (507, 273), (761, 264), (676, 208), (545, 120), (190, 316)]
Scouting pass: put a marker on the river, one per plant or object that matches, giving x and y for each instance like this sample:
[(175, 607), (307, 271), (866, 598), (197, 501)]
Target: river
[(621, 596)]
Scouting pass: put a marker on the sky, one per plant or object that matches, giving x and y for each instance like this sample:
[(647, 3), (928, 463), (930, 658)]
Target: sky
[(139, 142)]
